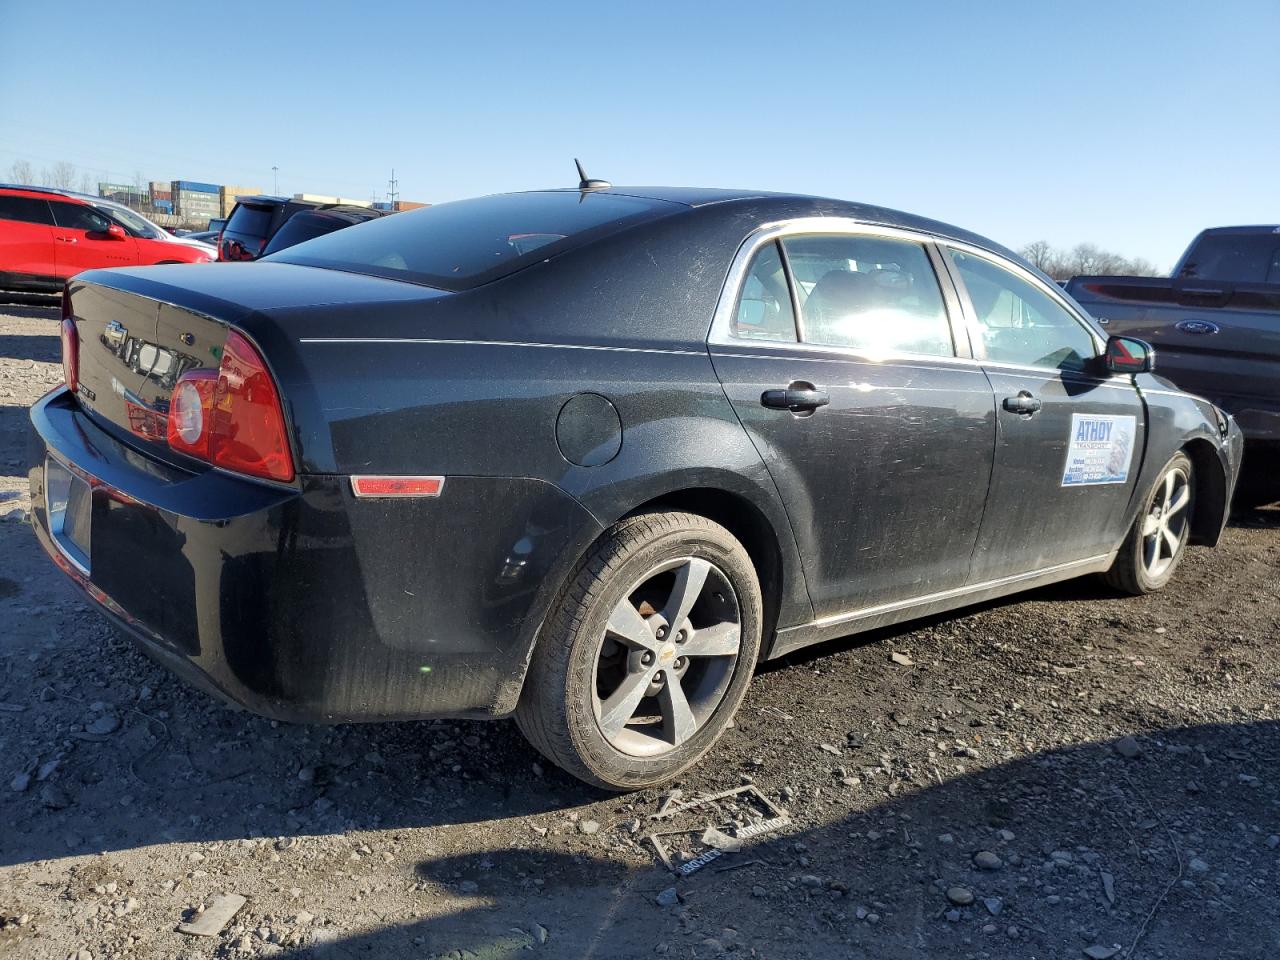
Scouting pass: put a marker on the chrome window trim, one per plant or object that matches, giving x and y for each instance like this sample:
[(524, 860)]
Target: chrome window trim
[(959, 315), (721, 333)]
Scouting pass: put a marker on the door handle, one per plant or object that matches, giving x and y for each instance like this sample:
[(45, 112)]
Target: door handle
[(797, 400), (65, 239), (1024, 403)]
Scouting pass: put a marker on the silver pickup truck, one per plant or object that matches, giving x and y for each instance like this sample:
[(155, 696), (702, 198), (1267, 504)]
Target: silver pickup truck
[(1215, 325)]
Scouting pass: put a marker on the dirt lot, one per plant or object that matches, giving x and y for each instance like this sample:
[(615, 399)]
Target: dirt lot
[(1069, 774)]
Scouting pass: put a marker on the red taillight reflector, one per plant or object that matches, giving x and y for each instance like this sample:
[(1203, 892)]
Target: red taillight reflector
[(190, 409), (232, 418), (70, 351), (365, 486)]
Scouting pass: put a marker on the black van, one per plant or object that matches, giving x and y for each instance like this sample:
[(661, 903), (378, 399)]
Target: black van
[(255, 221)]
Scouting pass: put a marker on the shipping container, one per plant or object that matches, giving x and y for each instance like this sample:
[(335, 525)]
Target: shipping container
[(382, 205), (194, 186), (160, 195), (164, 205), (401, 205), (321, 198), (227, 197), (163, 186)]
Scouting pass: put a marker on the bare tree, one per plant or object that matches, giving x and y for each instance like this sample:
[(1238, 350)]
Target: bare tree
[(21, 172), (86, 183), (62, 175), (1084, 258), (1043, 257)]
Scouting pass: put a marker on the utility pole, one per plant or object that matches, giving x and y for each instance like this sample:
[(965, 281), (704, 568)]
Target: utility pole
[(275, 181), (393, 194)]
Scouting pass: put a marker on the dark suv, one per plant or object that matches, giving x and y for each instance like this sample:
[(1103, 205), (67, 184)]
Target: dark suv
[(256, 221)]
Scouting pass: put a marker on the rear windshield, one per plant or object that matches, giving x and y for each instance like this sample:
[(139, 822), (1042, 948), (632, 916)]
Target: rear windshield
[(250, 221), (1239, 258), (456, 246)]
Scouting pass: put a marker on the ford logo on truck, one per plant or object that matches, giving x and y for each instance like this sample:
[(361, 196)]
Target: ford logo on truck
[(1196, 326)]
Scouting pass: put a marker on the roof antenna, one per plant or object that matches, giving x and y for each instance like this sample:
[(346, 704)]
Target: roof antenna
[(586, 183)]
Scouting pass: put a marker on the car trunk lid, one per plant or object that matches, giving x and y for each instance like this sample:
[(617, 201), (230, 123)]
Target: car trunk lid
[(141, 329)]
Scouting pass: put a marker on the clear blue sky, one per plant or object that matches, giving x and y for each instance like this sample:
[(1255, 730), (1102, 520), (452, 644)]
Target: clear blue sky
[(1130, 124)]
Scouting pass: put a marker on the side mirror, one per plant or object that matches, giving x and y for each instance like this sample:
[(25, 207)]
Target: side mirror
[(116, 232), (1129, 355)]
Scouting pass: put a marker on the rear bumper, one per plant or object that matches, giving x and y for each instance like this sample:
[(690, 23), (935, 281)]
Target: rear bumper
[(305, 603)]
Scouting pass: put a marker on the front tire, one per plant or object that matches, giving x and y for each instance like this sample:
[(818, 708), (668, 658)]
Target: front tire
[(646, 654), (1158, 539)]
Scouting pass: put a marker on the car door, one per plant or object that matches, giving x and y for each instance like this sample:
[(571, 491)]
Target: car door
[(1069, 436), (838, 355), (26, 239), (81, 240)]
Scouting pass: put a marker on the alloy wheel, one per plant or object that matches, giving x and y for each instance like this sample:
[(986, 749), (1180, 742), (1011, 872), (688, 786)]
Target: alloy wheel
[(666, 657), (1166, 521)]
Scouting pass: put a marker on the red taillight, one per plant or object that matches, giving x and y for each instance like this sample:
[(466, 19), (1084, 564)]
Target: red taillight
[(70, 345), (233, 419)]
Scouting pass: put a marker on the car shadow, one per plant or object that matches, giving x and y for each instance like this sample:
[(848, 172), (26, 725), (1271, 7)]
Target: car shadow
[(32, 307), (1080, 589), (45, 349), (1167, 853)]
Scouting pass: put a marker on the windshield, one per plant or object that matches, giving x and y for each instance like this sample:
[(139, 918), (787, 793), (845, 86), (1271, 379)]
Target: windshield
[(136, 223), (456, 246)]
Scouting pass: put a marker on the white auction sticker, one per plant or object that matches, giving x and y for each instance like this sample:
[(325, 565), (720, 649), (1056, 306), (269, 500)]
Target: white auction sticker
[(1100, 451)]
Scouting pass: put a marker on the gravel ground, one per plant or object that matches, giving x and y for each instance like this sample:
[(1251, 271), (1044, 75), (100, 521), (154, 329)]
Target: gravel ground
[(1068, 774)]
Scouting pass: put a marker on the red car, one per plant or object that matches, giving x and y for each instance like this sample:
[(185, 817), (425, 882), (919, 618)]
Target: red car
[(48, 235)]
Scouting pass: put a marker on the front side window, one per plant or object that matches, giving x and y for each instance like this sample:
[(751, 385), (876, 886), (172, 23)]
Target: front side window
[(764, 306), (1020, 323), (77, 216), (25, 209), (876, 295), (137, 225)]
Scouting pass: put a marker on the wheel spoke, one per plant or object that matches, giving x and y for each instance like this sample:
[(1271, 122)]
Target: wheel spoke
[(686, 590), (1150, 525), (1151, 551), (1171, 539), (626, 624), (1170, 479), (1180, 500), (720, 640), (621, 706), (678, 722)]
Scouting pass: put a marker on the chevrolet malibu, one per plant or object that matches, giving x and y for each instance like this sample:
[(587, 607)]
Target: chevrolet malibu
[(586, 457)]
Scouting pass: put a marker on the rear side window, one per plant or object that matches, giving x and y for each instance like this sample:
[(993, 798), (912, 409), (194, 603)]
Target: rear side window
[(764, 306), (25, 210), (250, 221), (877, 295), (77, 216), (456, 246), (1235, 258)]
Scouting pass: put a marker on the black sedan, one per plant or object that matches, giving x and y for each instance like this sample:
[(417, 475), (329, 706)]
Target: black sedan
[(586, 457)]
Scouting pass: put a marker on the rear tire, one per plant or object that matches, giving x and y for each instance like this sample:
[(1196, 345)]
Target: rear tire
[(646, 654), (1157, 541)]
